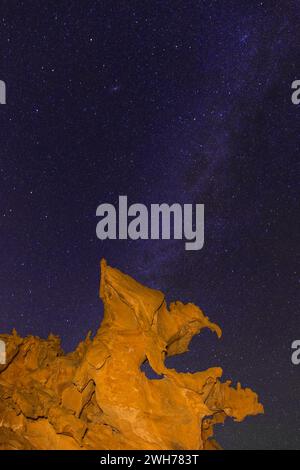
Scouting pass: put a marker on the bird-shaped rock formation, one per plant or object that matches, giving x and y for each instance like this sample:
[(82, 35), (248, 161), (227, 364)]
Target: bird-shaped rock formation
[(97, 397)]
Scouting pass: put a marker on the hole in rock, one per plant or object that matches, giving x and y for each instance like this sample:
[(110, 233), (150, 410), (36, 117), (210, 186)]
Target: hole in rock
[(149, 372), (203, 353)]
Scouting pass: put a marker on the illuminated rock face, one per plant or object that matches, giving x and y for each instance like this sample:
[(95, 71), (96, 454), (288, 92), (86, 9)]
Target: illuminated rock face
[(97, 397)]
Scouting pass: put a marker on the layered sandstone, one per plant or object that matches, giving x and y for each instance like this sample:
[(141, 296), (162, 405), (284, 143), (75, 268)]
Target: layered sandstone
[(97, 397)]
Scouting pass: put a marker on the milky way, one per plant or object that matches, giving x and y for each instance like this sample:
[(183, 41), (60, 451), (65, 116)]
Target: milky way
[(174, 101)]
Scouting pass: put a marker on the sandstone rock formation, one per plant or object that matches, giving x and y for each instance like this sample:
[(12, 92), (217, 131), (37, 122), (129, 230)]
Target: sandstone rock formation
[(97, 397)]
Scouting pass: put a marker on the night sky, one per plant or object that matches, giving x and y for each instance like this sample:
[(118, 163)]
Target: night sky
[(162, 101)]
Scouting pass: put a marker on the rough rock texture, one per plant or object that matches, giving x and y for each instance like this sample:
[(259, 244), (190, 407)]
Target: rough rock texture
[(97, 397)]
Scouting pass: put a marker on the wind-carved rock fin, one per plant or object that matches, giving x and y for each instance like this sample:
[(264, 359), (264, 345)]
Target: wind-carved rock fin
[(143, 301)]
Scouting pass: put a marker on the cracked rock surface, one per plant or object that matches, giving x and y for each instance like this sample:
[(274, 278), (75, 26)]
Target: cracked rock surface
[(97, 397)]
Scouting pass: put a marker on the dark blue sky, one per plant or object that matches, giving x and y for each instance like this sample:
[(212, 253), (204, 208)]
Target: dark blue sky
[(174, 101)]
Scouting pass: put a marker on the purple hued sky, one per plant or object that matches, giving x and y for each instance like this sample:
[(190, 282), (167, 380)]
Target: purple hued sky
[(174, 101)]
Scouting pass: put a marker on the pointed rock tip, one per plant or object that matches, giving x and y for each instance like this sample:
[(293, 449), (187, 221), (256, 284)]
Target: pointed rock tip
[(103, 266)]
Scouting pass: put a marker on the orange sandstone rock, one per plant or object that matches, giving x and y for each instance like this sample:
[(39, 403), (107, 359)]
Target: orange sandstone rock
[(97, 397)]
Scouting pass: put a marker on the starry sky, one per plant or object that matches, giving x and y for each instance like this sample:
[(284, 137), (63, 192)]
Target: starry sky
[(173, 101)]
